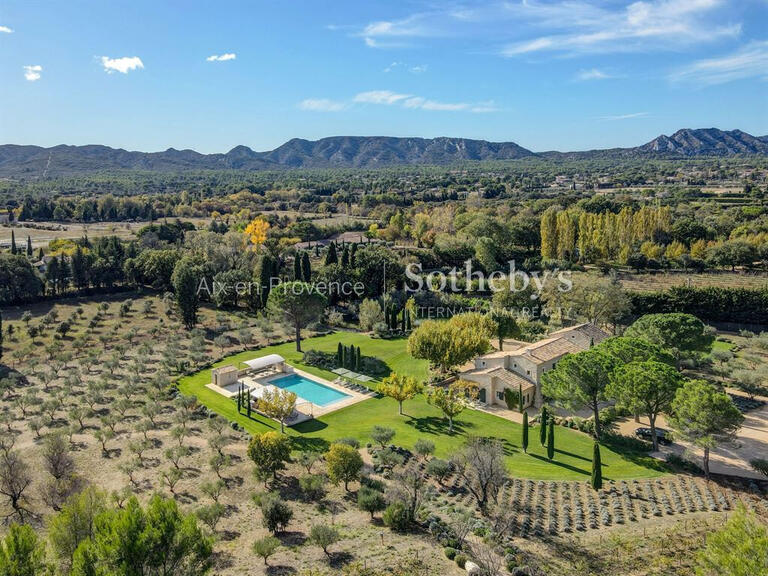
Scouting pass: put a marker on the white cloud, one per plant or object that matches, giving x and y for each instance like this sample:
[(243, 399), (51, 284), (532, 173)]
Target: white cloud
[(321, 105), (750, 61), (389, 33), (122, 65), (6, 30), (418, 69), (484, 107), (391, 98), (380, 97), (222, 57), (520, 27), (625, 116), (642, 25), (593, 74), (33, 72)]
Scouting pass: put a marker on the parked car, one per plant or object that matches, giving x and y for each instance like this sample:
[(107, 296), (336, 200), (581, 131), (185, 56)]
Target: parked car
[(662, 435)]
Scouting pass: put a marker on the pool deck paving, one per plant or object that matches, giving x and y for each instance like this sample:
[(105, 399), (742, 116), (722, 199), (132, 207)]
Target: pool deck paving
[(305, 410)]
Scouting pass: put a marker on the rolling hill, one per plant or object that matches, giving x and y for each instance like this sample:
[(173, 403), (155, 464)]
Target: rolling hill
[(352, 152)]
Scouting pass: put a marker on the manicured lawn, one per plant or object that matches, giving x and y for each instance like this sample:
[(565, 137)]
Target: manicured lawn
[(573, 450)]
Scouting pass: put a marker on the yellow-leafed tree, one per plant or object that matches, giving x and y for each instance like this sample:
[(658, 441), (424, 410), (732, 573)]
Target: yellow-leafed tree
[(257, 231)]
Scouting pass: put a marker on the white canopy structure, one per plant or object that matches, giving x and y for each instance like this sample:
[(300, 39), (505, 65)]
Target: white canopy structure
[(267, 361)]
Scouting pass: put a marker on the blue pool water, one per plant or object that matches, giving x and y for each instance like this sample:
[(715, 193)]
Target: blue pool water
[(309, 389)]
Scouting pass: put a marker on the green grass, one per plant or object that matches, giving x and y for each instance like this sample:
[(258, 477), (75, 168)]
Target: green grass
[(573, 449), (721, 345)]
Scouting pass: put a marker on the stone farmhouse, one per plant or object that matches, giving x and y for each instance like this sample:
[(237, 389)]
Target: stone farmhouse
[(520, 367)]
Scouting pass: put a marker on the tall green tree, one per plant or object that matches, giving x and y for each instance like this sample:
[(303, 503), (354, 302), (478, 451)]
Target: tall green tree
[(331, 256), (306, 267), (269, 451), (551, 439), (399, 387), (131, 541), (525, 432), (29, 246), (597, 468), (453, 342), (647, 387), (543, 419), (186, 282), (298, 304), (704, 416), (677, 333), (740, 548), (21, 552), (579, 380)]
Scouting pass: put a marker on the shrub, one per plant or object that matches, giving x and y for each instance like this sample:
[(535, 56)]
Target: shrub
[(313, 486), (344, 464), (349, 441), (424, 447), (370, 500), (275, 513), (382, 435), (450, 553), (461, 560), (323, 535), (265, 547), (372, 483), (438, 469), (397, 517)]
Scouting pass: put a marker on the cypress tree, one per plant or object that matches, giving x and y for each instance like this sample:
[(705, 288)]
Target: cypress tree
[(543, 425), (330, 256), (551, 439), (340, 355), (29, 246), (597, 468), (520, 397), (352, 255), (357, 360), (248, 400), (306, 267), (525, 432), (343, 356), (345, 257), (239, 398), (40, 254), (297, 272), (13, 242)]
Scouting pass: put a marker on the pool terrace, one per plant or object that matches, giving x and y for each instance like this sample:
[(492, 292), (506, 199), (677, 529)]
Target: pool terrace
[(315, 396)]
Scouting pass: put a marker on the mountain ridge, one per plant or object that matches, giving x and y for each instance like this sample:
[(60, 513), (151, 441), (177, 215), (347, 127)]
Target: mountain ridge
[(354, 152)]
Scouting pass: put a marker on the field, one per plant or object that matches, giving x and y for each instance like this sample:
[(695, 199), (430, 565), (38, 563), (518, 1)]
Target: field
[(43, 232), (651, 282)]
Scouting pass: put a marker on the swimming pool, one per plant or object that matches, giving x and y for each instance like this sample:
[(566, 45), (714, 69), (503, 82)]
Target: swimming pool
[(309, 389)]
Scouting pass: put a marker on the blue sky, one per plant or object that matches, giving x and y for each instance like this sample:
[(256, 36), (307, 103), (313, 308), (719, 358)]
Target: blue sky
[(547, 74)]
